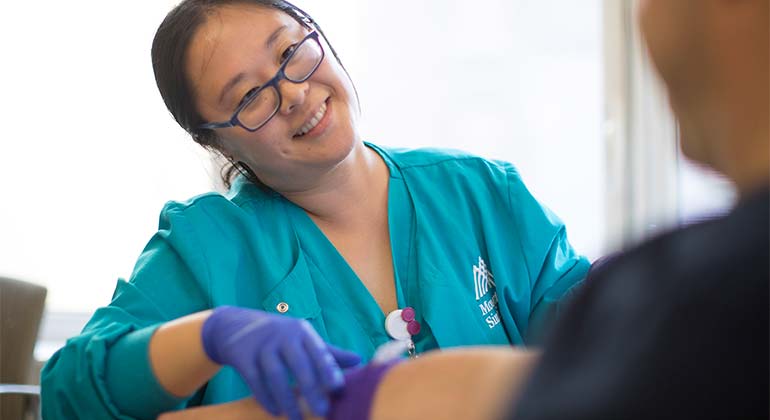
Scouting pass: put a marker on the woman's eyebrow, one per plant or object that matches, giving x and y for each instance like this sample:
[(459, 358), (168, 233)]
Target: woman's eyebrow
[(235, 80), (271, 40)]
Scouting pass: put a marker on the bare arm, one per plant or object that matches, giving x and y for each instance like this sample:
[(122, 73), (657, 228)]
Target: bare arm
[(243, 409), (177, 357), (468, 384), (486, 379)]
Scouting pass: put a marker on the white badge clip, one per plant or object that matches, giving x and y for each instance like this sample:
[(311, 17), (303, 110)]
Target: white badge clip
[(402, 326)]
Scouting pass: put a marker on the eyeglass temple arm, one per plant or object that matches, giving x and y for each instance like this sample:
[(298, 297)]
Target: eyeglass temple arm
[(227, 124)]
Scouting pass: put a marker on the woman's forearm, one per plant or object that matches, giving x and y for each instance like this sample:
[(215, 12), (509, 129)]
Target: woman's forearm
[(177, 356)]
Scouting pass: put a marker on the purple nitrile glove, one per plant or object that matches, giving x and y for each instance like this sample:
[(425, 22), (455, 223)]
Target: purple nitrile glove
[(354, 400), (268, 349)]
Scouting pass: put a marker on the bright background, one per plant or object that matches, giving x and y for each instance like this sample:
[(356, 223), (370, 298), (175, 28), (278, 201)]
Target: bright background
[(90, 154)]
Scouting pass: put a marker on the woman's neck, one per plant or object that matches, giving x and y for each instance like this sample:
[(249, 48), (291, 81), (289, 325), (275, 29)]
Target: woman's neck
[(353, 192)]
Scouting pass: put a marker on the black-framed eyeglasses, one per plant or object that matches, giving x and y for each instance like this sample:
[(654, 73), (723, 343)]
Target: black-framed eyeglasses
[(260, 106)]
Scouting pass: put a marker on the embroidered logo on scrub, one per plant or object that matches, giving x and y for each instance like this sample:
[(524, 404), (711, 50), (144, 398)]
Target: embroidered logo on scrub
[(484, 283)]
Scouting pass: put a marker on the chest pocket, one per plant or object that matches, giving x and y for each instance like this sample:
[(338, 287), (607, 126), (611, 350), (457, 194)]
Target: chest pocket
[(294, 295), (454, 314)]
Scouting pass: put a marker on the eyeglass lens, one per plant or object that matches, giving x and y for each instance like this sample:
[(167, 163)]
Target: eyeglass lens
[(301, 65)]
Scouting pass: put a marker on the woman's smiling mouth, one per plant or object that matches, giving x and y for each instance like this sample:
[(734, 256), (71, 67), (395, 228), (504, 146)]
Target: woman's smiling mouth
[(313, 122)]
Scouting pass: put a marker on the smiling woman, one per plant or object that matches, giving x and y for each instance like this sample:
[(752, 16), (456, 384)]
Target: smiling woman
[(271, 147), (322, 240), (227, 79)]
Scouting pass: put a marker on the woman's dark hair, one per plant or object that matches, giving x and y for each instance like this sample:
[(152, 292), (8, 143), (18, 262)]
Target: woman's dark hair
[(169, 53)]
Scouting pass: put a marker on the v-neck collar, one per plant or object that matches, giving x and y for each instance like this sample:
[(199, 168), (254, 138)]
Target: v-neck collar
[(324, 257)]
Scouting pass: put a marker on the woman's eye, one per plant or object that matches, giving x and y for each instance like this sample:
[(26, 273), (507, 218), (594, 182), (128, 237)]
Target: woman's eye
[(287, 52), (249, 93)]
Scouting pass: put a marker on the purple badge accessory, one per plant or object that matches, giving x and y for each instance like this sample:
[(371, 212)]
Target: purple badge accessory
[(401, 324)]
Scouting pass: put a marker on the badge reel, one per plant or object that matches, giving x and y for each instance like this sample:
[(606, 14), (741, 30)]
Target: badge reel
[(401, 326)]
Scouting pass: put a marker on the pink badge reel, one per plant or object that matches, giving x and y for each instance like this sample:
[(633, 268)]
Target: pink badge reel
[(401, 325)]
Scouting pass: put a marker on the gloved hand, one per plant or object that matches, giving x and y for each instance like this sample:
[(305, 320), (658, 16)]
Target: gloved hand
[(268, 349)]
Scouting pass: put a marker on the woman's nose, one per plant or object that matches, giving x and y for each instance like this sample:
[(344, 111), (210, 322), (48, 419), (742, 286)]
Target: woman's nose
[(292, 94)]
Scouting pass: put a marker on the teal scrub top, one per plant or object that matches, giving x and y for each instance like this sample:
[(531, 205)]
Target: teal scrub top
[(477, 257)]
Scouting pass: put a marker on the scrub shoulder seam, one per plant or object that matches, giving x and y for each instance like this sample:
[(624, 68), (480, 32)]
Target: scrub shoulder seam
[(504, 166), (215, 198)]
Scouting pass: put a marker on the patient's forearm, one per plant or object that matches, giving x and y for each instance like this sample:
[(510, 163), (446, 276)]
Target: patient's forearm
[(467, 384), (462, 384)]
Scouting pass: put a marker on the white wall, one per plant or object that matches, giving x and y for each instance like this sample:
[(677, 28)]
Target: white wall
[(89, 152)]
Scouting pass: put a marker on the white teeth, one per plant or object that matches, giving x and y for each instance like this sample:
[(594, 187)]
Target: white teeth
[(313, 121)]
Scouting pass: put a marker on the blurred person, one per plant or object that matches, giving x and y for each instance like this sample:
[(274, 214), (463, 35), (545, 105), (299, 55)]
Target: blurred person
[(321, 241), (676, 327)]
